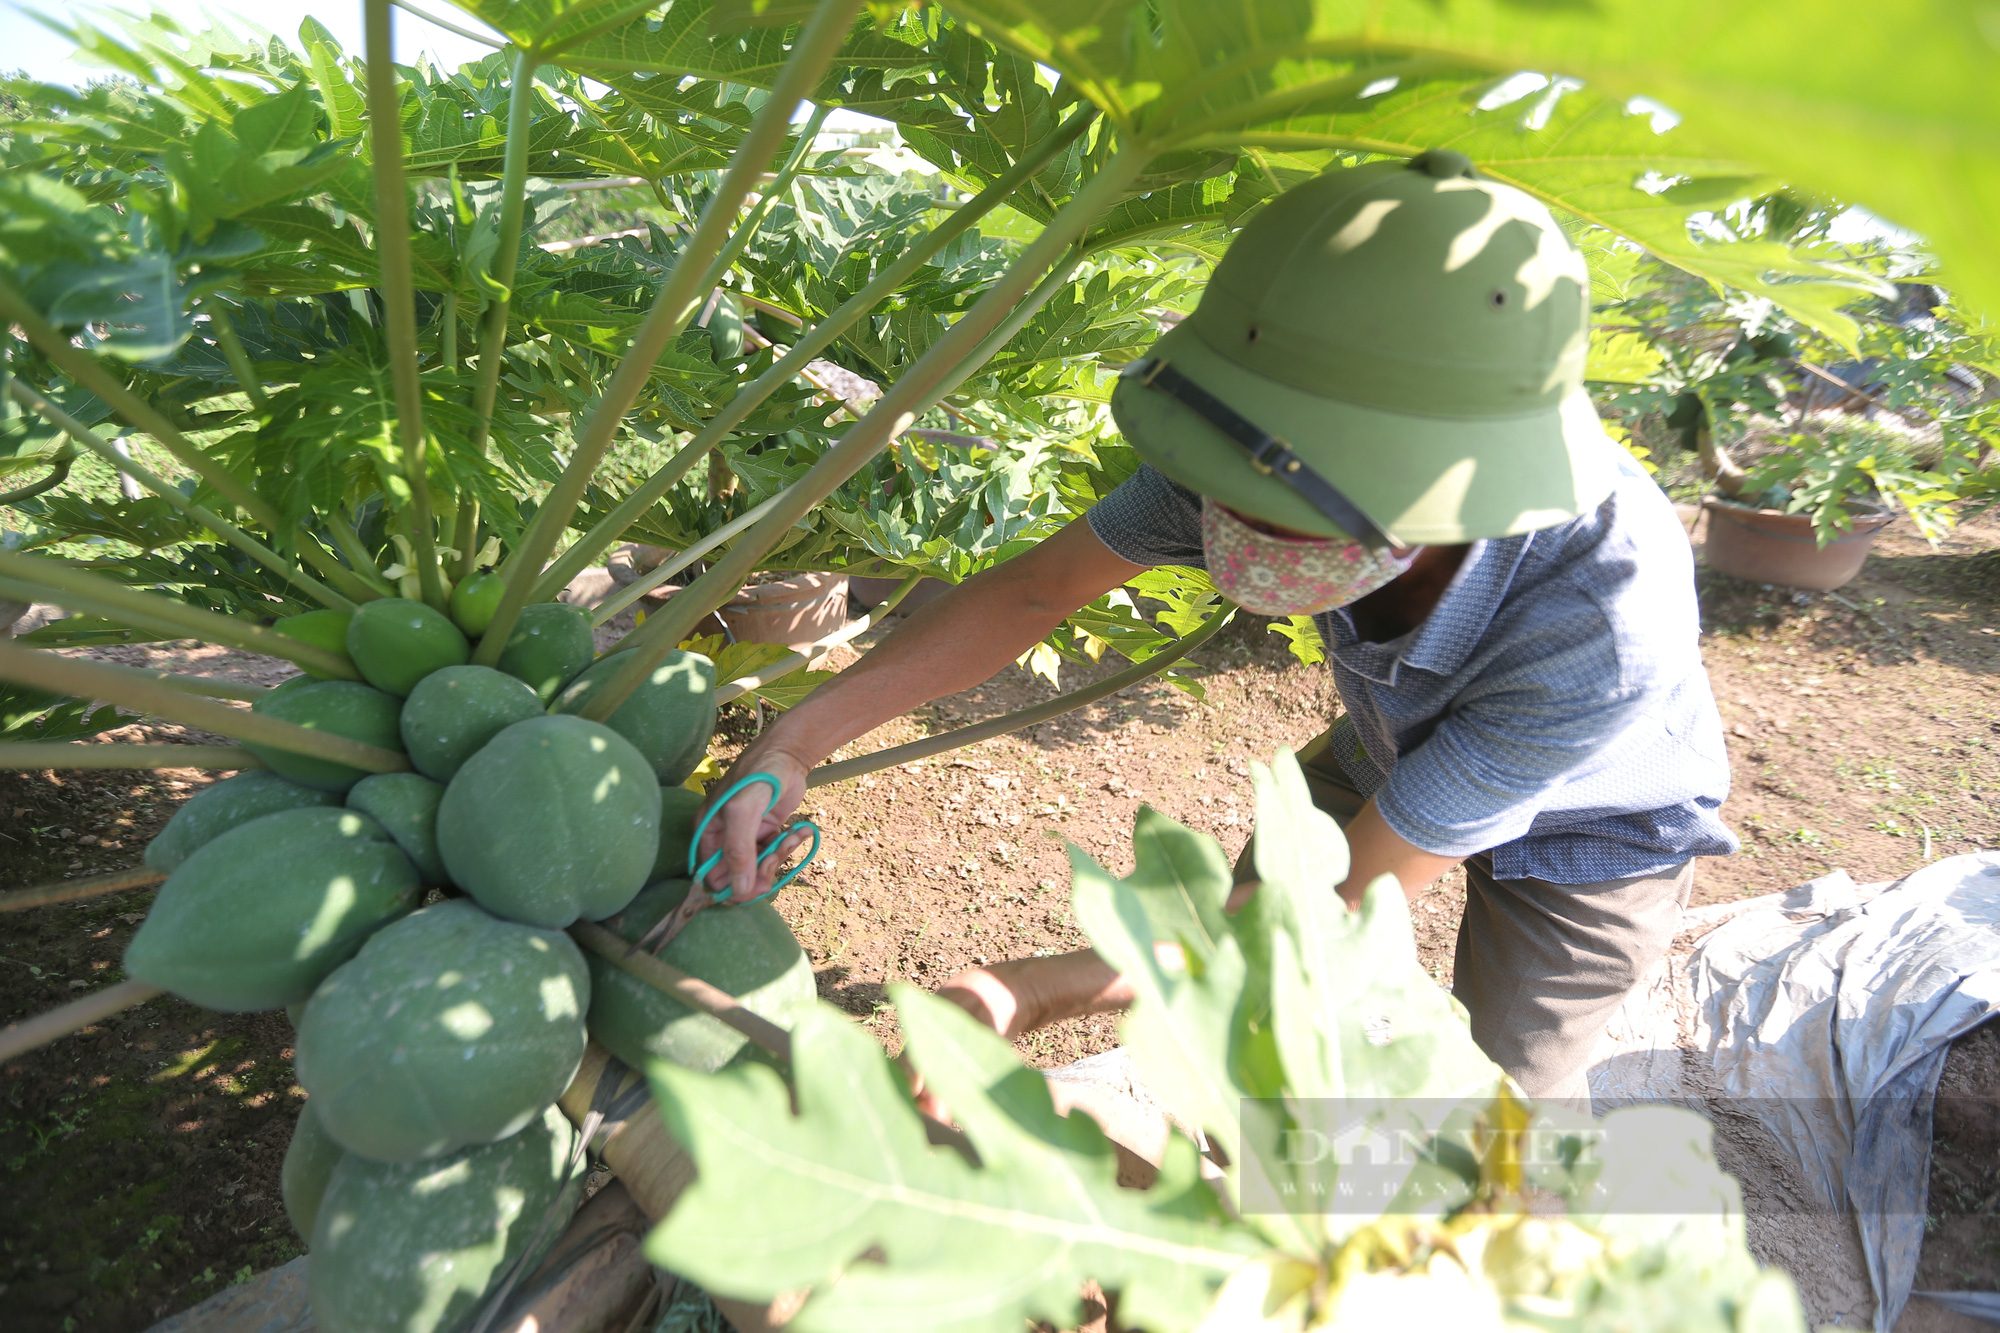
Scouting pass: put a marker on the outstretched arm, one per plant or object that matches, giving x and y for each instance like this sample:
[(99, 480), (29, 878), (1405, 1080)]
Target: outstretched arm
[(954, 643)]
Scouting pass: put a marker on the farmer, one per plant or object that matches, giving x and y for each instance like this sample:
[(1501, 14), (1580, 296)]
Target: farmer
[(1376, 416)]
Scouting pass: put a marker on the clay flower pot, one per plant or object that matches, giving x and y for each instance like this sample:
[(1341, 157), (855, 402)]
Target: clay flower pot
[(794, 611), (1770, 546)]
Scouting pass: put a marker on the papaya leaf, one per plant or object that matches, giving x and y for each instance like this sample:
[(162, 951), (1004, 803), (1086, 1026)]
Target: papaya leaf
[(849, 1200), (36, 715), (1795, 89), (791, 690), (1619, 356), (148, 522)]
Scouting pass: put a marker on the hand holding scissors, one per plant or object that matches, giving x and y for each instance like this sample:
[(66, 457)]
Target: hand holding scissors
[(699, 895)]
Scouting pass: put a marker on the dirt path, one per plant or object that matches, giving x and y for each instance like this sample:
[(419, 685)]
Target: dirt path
[(138, 1161)]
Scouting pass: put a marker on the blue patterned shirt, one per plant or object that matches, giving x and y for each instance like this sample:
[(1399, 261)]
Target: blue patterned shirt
[(1552, 709)]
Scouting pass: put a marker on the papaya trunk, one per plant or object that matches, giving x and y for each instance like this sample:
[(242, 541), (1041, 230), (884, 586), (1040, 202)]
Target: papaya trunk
[(932, 375), (678, 297), (809, 345)]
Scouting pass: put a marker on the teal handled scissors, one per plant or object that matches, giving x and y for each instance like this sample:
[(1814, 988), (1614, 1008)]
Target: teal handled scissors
[(676, 921)]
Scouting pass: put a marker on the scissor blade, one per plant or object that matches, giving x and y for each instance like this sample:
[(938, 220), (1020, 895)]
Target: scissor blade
[(661, 935)]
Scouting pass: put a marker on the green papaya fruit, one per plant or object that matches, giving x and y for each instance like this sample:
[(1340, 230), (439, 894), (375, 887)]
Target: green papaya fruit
[(215, 810), (679, 810), (550, 644), (257, 917), (415, 1247), (322, 629), (453, 712), (396, 642), (474, 601), (406, 805), (747, 951), (309, 1163), (341, 707), (556, 818), (670, 718), (450, 1027), (725, 330)]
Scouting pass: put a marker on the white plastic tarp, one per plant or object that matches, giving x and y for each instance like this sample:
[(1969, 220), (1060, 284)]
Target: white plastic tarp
[(1826, 1013)]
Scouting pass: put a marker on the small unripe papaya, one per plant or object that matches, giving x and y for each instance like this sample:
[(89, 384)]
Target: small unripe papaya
[(397, 642), (449, 1027), (670, 717), (340, 707), (555, 818), (406, 806), (258, 917), (309, 1163), (679, 809), (322, 629), (453, 712), (214, 811), (725, 330), (474, 601), (551, 644)]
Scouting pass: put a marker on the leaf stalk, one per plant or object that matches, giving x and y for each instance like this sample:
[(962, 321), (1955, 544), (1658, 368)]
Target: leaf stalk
[(399, 297), (98, 680), (808, 346), (85, 370), (678, 298), (51, 580), (895, 411), (1023, 717), (167, 491)]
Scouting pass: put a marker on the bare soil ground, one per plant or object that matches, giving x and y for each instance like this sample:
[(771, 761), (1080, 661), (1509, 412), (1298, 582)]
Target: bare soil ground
[(139, 1160)]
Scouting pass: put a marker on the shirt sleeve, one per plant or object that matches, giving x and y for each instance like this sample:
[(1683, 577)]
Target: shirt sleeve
[(1150, 520), (1538, 718)]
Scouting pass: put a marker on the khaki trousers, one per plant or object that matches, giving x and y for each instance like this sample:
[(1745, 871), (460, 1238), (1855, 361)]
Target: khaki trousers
[(1539, 966)]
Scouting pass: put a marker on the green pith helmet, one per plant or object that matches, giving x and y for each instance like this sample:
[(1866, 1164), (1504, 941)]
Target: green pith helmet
[(1414, 334)]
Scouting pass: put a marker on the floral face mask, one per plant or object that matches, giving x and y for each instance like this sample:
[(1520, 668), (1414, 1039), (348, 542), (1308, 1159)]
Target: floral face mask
[(1290, 576)]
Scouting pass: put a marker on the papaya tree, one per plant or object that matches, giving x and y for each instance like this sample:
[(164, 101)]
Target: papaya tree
[(313, 306)]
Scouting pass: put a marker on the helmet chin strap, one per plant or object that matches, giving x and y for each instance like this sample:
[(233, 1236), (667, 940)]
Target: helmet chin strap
[(1266, 452)]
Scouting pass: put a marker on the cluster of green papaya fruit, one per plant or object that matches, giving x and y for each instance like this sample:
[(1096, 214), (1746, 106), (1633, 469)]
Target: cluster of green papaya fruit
[(434, 1040)]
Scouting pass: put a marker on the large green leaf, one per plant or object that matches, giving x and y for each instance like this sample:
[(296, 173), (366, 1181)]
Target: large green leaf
[(550, 25), (1294, 997), (848, 1199), (1891, 107)]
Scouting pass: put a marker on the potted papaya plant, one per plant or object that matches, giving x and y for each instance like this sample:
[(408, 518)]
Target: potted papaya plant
[(1807, 515)]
